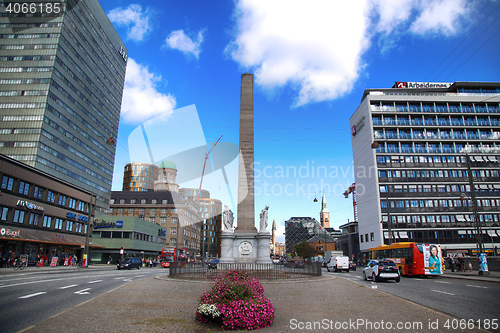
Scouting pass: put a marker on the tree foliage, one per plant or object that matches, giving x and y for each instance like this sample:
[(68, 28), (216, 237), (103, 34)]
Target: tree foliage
[(305, 249)]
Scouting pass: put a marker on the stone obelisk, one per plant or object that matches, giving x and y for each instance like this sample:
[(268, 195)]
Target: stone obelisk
[(246, 200)]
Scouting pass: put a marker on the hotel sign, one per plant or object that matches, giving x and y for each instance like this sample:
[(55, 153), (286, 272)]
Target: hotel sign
[(359, 125), (123, 54), (422, 85), (29, 205), (105, 224)]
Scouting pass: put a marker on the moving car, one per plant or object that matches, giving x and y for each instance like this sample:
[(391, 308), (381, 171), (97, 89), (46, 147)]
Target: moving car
[(338, 263), (212, 264), (129, 263), (378, 270)]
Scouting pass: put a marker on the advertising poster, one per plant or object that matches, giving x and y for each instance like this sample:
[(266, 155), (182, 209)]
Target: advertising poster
[(433, 259)]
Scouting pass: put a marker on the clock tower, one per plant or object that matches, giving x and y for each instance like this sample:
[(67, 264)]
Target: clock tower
[(324, 214)]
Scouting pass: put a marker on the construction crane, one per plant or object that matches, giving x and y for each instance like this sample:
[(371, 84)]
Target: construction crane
[(203, 172), (352, 189)]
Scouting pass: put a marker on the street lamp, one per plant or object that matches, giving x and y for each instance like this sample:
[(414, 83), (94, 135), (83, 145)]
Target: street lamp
[(473, 198), (90, 223)]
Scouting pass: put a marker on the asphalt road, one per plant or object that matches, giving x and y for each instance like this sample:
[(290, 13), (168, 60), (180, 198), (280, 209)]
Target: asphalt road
[(31, 297), (463, 299)]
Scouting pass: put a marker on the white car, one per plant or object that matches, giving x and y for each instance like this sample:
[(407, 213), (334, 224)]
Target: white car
[(378, 270)]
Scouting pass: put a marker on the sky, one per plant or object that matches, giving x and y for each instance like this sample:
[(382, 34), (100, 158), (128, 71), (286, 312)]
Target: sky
[(311, 63)]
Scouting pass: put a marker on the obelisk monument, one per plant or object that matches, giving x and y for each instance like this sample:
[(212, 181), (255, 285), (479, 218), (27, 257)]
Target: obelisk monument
[(246, 200)]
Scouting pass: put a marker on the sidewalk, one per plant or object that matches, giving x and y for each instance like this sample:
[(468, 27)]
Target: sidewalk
[(327, 303), (494, 276)]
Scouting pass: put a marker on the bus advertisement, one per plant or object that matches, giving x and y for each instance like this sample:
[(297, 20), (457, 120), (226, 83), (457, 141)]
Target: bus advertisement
[(171, 254), (412, 258)]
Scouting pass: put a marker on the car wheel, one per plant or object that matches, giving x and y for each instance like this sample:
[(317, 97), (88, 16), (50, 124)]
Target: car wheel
[(374, 277), (327, 268), (138, 267), (364, 276), (398, 279)]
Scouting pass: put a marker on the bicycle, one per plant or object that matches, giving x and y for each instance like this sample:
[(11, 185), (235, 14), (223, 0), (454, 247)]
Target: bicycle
[(19, 264)]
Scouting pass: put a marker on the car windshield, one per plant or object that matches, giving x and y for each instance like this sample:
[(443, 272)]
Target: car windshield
[(387, 263)]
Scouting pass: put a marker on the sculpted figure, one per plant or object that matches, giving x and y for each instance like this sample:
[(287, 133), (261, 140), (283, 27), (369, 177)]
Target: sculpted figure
[(263, 219)]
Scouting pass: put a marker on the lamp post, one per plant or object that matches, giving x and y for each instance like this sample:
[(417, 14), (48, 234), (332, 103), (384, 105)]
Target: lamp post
[(483, 264), (90, 223)]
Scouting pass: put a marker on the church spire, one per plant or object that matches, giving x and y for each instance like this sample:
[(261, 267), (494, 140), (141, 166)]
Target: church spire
[(324, 214)]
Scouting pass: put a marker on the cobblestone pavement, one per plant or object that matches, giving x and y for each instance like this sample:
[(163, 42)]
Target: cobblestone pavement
[(161, 304)]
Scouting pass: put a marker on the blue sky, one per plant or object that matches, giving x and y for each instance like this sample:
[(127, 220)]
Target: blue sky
[(311, 63)]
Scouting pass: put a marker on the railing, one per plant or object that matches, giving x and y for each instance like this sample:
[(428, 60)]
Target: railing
[(259, 271)]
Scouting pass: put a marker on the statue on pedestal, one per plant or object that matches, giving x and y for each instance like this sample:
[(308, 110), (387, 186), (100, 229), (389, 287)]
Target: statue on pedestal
[(263, 219), (227, 219)]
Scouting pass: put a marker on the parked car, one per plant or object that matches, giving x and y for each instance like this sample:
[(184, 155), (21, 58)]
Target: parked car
[(212, 264), (338, 263), (378, 270), (129, 263), (299, 264)]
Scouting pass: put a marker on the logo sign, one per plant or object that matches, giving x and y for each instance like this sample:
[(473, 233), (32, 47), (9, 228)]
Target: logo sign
[(9, 232), (29, 205), (119, 224), (123, 54), (422, 85), (70, 215), (105, 224), (359, 125), (83, 218)]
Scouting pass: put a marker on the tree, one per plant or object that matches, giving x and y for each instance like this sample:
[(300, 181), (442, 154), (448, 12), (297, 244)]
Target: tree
[(305, 249)]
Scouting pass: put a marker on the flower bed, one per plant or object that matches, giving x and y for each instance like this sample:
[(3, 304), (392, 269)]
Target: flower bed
[(236, 300)]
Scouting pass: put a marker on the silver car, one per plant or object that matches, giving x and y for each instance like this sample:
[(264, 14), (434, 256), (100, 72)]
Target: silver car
[(378, 270)]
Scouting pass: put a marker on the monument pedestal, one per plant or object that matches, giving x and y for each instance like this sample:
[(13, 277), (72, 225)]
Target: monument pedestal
[(226, 244), (245, 248), (264, 250)]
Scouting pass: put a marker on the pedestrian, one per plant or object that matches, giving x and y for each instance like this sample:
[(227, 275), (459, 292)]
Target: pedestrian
[(461, 264), (109, 260)]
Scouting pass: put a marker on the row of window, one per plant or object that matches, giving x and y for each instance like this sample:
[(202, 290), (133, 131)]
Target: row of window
[(22, 106), (474, 134), (11, 93), (455, 188), (486, 219), (24, 188), (24, 69), (31, 25), (439, 148), (435, 107), (365, 238), (435, 121), (143, 201), (451, 159), (493, 173), (23, 36), (438, 203), (38, 220), (129, 235), (27, 58), (24, 81)]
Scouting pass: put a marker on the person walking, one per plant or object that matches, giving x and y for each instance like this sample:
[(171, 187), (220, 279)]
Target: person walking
[(461, 264)]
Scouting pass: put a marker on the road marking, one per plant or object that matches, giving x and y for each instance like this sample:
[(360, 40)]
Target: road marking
[(442, 281), (95, 281), (35, 294), (70, 286), (82, 292), (443, 292), (471, 285), (120, 277)]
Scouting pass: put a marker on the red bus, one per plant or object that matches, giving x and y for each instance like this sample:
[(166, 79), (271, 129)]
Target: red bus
[(412, 258), (171, 254)]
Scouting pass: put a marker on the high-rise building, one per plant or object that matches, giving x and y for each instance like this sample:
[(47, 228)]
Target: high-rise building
[(61, 85), (414, 147), (139, 176)]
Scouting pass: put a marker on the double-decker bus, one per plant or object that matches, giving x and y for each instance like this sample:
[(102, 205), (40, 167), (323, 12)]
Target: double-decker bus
[(412, 258), (171, 254)]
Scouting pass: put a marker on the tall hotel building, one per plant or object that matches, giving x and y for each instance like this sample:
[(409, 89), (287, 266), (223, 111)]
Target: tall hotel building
[(409, 146), (61, 85)]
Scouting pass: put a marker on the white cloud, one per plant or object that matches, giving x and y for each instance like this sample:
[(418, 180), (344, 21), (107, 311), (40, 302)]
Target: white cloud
[(439, 16), (179, 41), (317, 48), (134, 18), (141, 100)]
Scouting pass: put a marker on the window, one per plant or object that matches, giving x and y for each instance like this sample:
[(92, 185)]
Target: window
[(122, 201), (131, 210), (72, 203), (111, 201), (7, 183), (81, 206), (132, 201), (69, 225), (78, 227), (164, 201), (3, 213), (142, 210), (372, 236), (152, 211), (120, 210), (173, 231), (143, 201), (62, 200), (24, 188), (154, 201), (47, 221), (18, 216), (50, 196), (173, 220), (163, 220), (34, 218), (59, 223), (38, 192)]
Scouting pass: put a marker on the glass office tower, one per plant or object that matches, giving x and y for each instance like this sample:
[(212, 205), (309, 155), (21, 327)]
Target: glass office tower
[(61, 85), (410, 146)]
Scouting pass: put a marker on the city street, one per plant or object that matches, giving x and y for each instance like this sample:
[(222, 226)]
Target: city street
[(463, 299), (31, 296)]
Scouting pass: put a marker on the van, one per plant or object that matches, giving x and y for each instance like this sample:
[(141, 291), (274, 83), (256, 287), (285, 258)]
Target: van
[(338, 263)]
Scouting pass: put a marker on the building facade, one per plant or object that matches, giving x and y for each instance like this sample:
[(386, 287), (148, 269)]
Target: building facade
[(178, 217), (211, 220), (349, 240), (139, 176), (41, 214), (410, 147), (298, 229), (61, 88), (120, 237)]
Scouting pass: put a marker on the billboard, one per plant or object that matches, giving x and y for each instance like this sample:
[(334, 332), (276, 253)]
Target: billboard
[(433, 259)]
